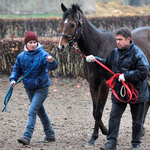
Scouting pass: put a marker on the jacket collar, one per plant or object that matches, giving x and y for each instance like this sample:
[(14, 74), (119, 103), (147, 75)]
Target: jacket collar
[(39, 45)]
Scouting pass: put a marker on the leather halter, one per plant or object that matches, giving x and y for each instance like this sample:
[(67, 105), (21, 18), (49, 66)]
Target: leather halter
[(79, 30)]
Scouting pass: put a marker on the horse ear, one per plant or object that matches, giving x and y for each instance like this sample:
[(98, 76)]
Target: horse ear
[(74, 8), (63, 7)]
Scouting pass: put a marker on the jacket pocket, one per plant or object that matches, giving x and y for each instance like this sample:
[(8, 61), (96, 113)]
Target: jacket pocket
[(42, 80), (39, 82), (31, 83)]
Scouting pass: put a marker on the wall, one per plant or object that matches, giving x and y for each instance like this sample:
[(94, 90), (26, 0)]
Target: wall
[(42, 6)]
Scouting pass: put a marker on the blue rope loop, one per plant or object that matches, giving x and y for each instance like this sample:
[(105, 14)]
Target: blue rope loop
[(9, 93)]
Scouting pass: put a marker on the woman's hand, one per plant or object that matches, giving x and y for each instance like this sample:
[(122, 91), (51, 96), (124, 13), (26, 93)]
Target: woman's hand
[(12, 82), (50, 59)]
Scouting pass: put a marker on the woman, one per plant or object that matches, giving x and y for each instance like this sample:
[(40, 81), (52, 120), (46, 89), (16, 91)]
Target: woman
[(36, 83)]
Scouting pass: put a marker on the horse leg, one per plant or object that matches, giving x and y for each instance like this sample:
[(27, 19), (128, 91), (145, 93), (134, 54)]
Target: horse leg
[(103, 128), (103, 94), (99, 98), (146, 110), (91, 142)]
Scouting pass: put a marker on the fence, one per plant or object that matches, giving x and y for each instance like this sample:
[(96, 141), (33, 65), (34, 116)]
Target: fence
[(70, 62), (46, 27)]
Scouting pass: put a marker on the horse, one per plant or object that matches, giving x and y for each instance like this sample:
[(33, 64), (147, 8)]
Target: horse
[(141, 37), (76, 28)]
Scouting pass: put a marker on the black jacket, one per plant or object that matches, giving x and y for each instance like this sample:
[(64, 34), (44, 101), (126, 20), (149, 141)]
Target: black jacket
[(133, 63)]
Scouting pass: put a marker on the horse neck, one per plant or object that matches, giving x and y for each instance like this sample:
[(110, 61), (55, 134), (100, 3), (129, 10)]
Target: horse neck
[(91, 38)]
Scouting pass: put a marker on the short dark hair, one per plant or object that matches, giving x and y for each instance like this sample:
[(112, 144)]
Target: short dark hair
[(124, 31)]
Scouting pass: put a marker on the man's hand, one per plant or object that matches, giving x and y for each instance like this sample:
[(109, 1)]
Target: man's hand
[(50, 59), (12, 82), (121, 78), (90, 58)]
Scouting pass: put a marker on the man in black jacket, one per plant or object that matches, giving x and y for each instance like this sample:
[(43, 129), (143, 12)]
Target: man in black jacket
[(130, 61)]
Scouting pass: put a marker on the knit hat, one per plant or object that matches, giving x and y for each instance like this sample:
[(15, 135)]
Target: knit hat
[(30, 36)]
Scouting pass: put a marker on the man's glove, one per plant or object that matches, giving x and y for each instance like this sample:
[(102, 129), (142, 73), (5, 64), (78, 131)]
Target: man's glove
[(121, 78), (90, 58)]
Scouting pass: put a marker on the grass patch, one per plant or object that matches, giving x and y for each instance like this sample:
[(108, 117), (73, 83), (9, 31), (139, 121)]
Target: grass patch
[(30, 16)]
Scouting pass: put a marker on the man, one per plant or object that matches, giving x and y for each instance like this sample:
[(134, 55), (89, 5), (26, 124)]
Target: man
[(130, 61)]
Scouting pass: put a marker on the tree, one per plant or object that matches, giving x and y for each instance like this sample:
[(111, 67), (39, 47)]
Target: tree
[(135, 2)]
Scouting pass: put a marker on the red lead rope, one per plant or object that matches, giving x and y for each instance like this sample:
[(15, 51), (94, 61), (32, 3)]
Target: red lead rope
[(131, 91)]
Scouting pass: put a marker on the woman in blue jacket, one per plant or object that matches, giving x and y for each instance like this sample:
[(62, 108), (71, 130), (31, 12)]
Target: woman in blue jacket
[(36, 83)]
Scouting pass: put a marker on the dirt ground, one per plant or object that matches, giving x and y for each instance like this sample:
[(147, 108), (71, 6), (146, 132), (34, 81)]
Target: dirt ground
[(69, 107)]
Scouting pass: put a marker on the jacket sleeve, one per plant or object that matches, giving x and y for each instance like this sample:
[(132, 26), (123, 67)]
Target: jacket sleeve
[(100, 59), (141, 71), (52, 66), (106, 62), (17, 71)]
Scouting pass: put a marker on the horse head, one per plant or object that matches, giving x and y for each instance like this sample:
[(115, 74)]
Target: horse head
[(71, 26)]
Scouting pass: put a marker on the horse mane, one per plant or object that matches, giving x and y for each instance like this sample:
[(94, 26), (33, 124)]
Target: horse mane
[(71, 11), (78, 8)]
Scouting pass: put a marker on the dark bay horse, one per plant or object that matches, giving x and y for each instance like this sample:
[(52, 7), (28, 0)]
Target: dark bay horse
[(75, 27)]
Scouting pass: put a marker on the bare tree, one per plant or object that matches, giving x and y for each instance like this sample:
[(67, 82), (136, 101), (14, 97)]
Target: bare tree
[(135, 2)]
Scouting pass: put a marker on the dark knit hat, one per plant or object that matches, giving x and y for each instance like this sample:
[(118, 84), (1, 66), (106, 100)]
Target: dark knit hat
[(30, 36)]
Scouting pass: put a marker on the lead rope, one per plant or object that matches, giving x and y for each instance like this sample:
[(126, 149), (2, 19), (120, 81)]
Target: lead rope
[(9, 93), (127, 86)]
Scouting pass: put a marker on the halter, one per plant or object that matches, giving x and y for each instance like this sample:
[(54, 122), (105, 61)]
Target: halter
[(72, 37)]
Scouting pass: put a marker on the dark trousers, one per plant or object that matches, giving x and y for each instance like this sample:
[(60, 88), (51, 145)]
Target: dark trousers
[(137, 112)]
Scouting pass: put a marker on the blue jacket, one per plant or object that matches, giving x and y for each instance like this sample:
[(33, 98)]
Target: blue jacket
[(134, 64), (39, 76)]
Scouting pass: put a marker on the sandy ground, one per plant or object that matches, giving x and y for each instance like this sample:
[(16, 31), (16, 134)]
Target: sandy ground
[(69, 107)]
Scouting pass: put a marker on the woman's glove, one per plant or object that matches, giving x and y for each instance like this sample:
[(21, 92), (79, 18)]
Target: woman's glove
[(121, 78), (90, 58)]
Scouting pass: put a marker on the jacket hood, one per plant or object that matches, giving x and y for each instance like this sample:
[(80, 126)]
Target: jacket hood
[(36, 50)]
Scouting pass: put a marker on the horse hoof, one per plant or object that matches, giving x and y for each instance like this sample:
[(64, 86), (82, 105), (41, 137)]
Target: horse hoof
[(88, 145)]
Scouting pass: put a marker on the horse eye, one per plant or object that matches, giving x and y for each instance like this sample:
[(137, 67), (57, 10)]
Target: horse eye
[(72, 25)]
